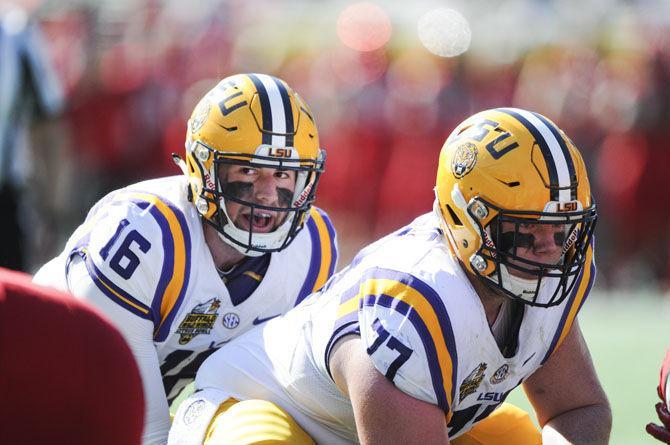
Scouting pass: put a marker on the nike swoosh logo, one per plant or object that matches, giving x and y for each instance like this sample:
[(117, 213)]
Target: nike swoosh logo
[(259, 320), (217, 345), (526, 361)]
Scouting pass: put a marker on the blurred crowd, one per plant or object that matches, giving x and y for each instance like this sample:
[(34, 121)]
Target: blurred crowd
[(131, 72)]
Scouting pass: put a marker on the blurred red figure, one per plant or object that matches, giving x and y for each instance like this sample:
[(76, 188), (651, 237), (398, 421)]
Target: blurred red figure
[(66, 375), (662, 432)]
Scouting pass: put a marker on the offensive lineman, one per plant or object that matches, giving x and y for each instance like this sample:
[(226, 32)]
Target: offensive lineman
[(422, 337), (184, 264)]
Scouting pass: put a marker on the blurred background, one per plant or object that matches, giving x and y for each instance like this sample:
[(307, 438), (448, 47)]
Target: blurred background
[(95, 95)]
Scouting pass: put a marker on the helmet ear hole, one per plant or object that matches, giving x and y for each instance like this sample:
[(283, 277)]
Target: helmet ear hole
[(454, 218)]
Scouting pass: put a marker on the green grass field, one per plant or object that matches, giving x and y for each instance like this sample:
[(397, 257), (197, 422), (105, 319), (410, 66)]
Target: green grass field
[(627, 335)]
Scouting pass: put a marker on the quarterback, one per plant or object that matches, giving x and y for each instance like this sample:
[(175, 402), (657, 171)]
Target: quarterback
[(422, 337), (184, 264)]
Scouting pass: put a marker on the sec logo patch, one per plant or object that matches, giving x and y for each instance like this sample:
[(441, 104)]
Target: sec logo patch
[(231, 320)]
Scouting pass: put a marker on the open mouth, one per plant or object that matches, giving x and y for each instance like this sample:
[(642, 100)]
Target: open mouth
[(260, 222)]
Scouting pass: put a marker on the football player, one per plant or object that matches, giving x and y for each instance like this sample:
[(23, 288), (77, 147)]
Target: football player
[(55, 351), (184, 264), (662, 432), (422, 337)]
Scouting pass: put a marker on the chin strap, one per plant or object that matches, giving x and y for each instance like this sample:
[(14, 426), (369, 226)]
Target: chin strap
[(521, 287)]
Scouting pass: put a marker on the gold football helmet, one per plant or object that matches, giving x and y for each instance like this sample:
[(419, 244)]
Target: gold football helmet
[(511, 169), (257, 120)]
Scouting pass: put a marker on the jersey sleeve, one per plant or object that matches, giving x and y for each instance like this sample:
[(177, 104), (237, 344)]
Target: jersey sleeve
[(138, 333), (323, 252), (136, 248), (407, 333)]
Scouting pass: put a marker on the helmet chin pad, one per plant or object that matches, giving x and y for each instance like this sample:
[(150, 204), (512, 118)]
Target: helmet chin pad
[(242, 249), (255, 244), (523, 288)]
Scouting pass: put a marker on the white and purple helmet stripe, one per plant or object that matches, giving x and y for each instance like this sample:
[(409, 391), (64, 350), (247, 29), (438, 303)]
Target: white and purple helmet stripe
[(276, 110), (562, 177)]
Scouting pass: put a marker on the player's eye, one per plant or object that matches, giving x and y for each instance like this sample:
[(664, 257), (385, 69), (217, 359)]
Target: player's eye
[(282, 174), (559, 238)]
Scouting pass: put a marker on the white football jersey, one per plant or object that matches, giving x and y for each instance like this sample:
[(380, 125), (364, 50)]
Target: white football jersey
[(422, 324), (144, 248)]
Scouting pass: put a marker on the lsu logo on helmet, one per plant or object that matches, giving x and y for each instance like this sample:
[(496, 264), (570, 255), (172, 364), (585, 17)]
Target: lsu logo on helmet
[(464, 159)]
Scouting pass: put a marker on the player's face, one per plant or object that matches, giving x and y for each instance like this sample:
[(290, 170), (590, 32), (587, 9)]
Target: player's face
[(541, 243), (266, 186)]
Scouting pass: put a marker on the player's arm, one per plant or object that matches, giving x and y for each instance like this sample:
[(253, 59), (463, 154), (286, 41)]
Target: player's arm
[(383, 413), (570, 403), (138, 332)]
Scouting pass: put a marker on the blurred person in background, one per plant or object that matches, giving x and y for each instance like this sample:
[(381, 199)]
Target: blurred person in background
[(29, 92), (632, 94), (67, 375), (662, 431), (423, 336), (183, 264)]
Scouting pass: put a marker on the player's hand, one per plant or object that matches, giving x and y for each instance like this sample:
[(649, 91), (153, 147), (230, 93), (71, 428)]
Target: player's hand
[(661, 432)]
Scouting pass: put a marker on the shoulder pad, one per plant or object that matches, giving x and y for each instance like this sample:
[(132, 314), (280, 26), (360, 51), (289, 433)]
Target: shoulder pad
[(137, 248), (406, 329)]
